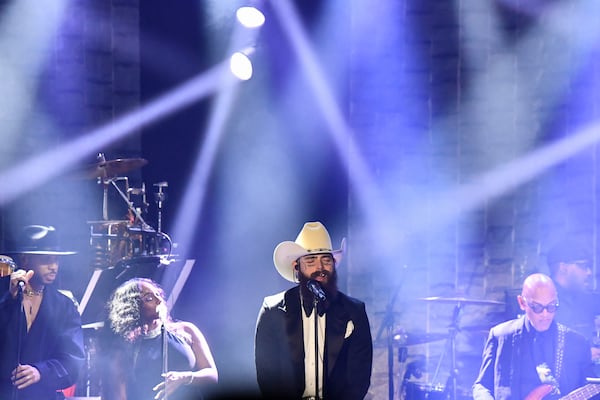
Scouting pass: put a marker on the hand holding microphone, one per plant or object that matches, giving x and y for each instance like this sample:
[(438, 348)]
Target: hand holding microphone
[(18, 280)]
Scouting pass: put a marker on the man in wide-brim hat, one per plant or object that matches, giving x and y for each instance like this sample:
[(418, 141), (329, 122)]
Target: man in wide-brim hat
[(41, 340), (570, 263), (285, 341)]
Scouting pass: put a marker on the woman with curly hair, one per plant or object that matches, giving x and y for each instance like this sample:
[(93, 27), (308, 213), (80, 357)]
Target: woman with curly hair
[(148, 355)]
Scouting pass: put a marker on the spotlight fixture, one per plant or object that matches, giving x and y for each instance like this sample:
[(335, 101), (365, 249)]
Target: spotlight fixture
[(250, 17), (240, 65)]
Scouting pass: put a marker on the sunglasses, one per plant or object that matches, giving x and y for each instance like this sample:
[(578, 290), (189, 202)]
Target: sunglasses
[(538, 308)]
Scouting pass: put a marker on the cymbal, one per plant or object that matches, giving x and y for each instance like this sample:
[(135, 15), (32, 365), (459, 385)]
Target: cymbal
[(461, 300), (111, 168), (403, 338), (481, 328)]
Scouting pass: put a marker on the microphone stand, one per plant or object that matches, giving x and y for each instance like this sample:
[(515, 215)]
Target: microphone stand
[(165, 355), (316, 315), (15, 394), (388, 325)]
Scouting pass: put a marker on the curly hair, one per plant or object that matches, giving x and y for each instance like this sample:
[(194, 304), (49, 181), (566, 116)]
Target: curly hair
[(124, 307)]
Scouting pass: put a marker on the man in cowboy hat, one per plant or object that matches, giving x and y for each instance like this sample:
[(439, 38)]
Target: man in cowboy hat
[(285, 341), (41, 340)]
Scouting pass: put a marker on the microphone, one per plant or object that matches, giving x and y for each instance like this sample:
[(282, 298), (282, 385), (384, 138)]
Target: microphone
[(316, 289)]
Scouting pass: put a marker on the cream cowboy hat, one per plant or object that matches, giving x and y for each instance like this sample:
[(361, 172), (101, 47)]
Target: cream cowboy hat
[(312, 239)]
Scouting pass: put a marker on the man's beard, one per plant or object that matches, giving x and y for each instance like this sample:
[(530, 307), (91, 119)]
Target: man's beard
[(330, 287)]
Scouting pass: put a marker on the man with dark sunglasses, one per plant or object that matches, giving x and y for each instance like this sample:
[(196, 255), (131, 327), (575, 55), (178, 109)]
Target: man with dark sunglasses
[(534, 356)]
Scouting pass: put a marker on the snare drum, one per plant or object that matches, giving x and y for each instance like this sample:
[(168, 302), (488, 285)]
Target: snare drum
[(7, 266), (422, 391)]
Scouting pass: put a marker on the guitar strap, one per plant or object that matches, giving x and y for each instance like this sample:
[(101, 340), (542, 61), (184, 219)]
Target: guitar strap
[(560, 350)]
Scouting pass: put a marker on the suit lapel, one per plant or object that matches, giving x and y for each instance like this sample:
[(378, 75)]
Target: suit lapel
[(337, 319), (293, 326)]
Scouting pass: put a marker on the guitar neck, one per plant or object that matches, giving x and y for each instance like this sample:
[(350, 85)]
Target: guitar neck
[(583, 393)]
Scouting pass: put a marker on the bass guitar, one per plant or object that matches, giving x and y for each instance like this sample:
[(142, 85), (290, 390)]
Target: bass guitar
[(583, 393)]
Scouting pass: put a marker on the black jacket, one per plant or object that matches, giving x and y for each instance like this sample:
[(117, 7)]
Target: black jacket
[(54, 345), (502, 362), (279, 348)]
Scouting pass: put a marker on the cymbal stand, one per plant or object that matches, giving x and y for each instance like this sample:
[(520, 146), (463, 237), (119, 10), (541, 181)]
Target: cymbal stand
[(451, 344), (159, 198), (102, 159), (139, 192), (388, 325)]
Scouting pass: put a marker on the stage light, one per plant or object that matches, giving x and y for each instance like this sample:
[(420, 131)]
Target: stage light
[(250, 17), (40, 168), (240, 66)]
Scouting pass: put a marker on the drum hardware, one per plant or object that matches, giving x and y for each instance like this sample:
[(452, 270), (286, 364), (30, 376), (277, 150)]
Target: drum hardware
[(89, 381), (107, 173), (106, 169), (108, 240), (461, 301), (387, 326), (403, 338), (408, 389), (148, 242), (7, 266), (419, 391), (119, 242), (453, 329), (139, 192), (159, 198), (136, 212)]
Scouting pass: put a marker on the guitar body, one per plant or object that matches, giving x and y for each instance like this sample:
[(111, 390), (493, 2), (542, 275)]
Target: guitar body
[(583, 393), (539, 392)]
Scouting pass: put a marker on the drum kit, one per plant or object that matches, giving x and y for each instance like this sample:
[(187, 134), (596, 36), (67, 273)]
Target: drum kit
[(121, 247), (118, 242), (411, 385)]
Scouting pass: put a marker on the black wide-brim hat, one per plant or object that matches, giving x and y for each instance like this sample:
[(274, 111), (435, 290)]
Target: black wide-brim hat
[(39, 239)]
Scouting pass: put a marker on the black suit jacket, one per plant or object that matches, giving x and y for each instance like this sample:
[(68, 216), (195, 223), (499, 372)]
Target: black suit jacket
[(54, 345), (279, 348), (501, 364)]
